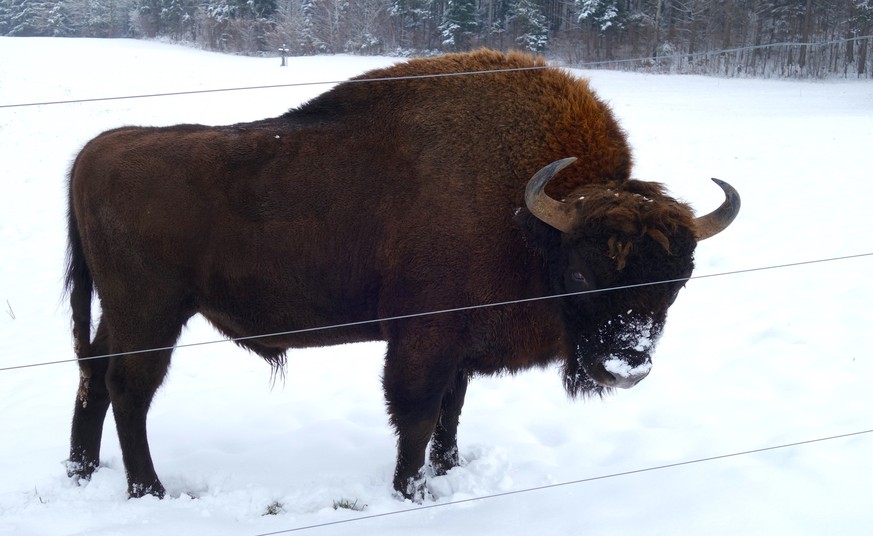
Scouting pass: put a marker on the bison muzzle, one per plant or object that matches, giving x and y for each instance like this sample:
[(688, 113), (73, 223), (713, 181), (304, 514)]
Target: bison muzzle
[(376, 200)]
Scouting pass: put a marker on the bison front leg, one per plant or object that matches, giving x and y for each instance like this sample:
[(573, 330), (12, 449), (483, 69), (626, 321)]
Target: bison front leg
[(444, 447), (414, 382), (413, 435)]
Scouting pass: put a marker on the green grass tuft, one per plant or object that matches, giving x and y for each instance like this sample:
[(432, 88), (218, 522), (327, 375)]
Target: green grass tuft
[(347, 504)]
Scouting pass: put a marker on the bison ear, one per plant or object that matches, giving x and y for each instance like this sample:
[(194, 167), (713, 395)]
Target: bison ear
[(538, 237)]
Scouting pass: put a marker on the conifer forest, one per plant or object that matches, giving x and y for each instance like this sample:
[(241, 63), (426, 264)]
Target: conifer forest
[(748, 38)]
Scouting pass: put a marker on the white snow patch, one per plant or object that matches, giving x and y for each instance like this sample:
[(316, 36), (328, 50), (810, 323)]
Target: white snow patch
[(619, 367), (637, 333)]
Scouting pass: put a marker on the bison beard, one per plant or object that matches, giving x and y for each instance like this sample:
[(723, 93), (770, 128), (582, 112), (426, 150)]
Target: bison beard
[(373, 201)]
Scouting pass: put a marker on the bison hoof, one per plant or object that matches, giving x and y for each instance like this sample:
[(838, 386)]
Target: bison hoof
[(442, 463), (156, 489), (79, 471), (414, 488)]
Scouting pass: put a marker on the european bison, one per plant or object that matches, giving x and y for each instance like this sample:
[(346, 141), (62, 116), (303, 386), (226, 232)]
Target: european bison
[(376, 200)]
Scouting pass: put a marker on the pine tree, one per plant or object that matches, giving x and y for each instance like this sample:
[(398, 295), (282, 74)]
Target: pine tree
[(365, 28), (146, 18), (530, 25), (603, 15), (177, 18), (262, 9), (862, 24), (459, 24), (22, 17), (5, 17), (58, 20), (93, 17), (414, 18), (316, 26)]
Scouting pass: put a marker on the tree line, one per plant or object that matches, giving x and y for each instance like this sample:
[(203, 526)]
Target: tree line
[(787, 38)]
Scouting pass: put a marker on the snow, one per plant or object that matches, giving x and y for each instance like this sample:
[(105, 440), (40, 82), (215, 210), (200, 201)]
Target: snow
[(750, 360), (620, 367)]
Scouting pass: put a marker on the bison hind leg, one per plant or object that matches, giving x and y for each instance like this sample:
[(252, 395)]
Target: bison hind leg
[(89, 414), (145, 331)]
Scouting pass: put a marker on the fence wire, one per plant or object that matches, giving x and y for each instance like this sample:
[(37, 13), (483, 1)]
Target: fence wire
[(564, 484), (729, 62), (659, 59), (439, 312)]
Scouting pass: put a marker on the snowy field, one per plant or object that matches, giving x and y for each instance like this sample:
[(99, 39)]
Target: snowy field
[(748, 361)]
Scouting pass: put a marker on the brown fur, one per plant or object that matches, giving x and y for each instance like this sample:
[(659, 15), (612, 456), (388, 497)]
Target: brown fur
[(371, 201), (635, 209)]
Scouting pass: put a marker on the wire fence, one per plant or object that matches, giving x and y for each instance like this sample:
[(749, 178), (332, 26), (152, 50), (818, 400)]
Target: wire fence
[(837, 58), (565, 484), (756, 61), (272, 86), (439, 312), (772, 60)]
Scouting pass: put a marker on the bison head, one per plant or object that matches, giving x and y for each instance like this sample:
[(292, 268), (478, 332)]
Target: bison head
[(624, 251)]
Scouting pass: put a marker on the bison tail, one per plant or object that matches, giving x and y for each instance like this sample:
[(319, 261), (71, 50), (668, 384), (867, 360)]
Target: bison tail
[(80, 286)]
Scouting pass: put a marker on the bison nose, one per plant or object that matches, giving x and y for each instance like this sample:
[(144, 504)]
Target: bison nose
[(625, 375)]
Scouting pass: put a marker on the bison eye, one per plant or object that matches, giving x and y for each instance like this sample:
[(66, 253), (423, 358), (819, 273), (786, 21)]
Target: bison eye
[(577, 281), (577, 277)]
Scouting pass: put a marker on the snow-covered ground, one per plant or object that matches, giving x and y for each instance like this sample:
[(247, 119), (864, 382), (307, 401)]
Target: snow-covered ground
[(748, 361)]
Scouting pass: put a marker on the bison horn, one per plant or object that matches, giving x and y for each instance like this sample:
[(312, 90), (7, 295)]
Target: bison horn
[(718, 220), (550, 211)]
